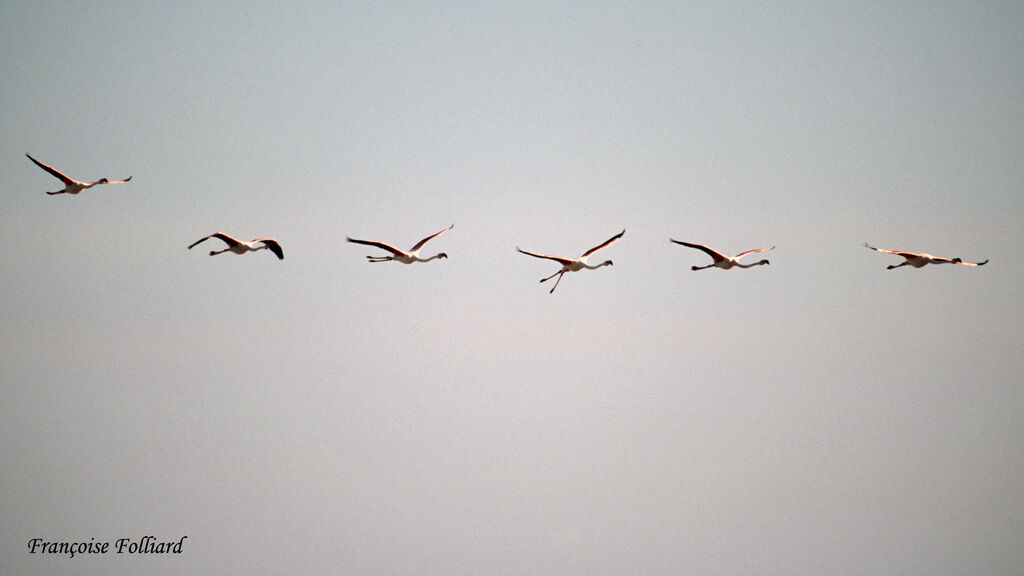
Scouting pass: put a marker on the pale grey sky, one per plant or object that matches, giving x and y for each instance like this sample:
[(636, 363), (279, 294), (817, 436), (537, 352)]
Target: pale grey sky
[(324, 415)]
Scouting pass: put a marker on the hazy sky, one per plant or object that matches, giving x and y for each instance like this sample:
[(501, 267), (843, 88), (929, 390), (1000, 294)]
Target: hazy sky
[(323, 415)]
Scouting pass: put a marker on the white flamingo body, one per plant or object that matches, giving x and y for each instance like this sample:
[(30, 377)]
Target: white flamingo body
[(72, 186), (574, 264), (405, 257), (241, 247), (721, 260), (920, 260)]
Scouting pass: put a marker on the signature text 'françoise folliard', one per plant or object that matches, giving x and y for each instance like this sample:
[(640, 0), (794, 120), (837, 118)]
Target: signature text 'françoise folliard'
[(144, 545)]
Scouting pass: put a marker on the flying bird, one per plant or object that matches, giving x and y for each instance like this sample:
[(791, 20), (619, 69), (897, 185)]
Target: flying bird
[(72, 186), (721, 260), (920, 260), (574, 264), (413, 255), (240, 247)]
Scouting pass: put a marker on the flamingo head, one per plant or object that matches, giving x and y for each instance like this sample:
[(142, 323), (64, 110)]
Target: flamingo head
[(102, 181), (957, 261), (763, 262), (442, 255)]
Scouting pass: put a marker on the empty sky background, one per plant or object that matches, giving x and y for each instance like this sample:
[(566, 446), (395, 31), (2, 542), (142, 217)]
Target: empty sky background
[(324, 415)]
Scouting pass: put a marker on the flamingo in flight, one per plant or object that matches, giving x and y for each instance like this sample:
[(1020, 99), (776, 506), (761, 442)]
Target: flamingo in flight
[(574, 264), (240, 247), (920, 260), (413, 255), (721, 260), (72, 186)]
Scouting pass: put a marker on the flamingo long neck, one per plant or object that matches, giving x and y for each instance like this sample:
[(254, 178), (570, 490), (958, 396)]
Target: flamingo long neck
[(595, 267), (434, 257), (751, 265)]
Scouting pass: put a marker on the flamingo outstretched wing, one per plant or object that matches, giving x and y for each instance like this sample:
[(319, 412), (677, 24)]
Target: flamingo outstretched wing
[(605, 244)]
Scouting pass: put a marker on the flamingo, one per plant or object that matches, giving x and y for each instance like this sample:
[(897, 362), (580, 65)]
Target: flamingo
[(920, 260), (72, 186), (240, 247), (721, 260), (413, 255), (574, 264)]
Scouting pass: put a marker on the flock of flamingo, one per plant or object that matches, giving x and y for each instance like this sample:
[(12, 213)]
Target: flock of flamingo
[(719, 260)]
